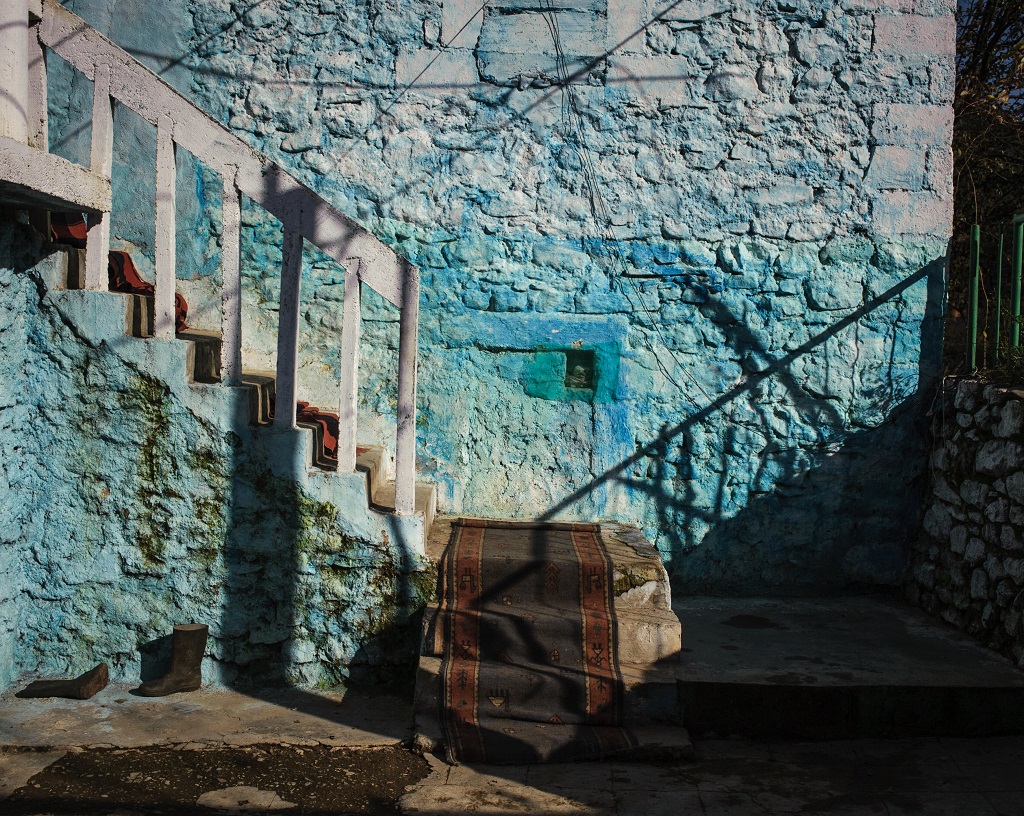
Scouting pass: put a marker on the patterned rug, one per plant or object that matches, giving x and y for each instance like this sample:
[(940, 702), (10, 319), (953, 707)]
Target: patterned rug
[(529, 668), (71, 230)]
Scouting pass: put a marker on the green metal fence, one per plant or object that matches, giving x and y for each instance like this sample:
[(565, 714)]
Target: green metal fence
[(974, 283)]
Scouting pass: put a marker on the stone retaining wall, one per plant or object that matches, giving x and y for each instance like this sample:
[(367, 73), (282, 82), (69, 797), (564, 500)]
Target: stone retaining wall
[(968, 565)]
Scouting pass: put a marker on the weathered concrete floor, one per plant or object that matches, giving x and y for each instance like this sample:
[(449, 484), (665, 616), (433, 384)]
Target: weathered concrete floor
[(840, 641), (315, 753), (742, 778), (933, 777), (115, 718), (842, 668)]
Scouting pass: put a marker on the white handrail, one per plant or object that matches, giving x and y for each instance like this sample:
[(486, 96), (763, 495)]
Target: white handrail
[(231, 282), (350, 327), (166, 252), (138, 88), (14, 71), (101, 162), (304, 214)]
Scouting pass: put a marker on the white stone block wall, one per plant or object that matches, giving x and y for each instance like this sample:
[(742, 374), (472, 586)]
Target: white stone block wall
[(968, 564)]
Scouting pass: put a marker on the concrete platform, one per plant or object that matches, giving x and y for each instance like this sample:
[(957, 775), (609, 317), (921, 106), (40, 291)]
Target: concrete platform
[(838, 669), (115, 718)]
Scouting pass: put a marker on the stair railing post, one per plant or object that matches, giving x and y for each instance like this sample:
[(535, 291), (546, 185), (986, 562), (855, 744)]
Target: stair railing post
[(166, 250), (1018, 266), (972, 300), (100, 162), (999, 303), (288, 323), (231, 281), (38, 122), (350, 329), (14, 70), (38, 117), (405, 448)]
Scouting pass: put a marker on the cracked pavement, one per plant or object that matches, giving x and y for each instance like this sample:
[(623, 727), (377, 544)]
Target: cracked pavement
[(315, 753)]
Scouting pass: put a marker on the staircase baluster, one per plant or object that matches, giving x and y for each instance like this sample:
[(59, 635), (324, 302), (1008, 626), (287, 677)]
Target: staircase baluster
[(38, 117), (165, 231), (304, 214), (38, 123), (14, 70), (231, 286), (350, 328), (405, 449), (288, 324), (100, 162)]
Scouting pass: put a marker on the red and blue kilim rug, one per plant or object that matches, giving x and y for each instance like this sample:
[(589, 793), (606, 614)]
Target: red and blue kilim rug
[(529, 670)]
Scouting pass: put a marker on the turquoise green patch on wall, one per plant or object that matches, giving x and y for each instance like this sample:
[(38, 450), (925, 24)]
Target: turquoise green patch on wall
[(547, 377)]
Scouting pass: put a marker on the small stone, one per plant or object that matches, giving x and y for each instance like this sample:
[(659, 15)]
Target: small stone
[(940, 459), (994, 568), (958, 539), (1015, 486), (1011, 621), (964, 420), (937, 521), (925, 575), (975, 551), (1011, 421), (1005, 593), (1015, 570), (1010, 540), (979, 585), (729, 82), (974, 493), (997, 457), (967, 393), (998, 511)]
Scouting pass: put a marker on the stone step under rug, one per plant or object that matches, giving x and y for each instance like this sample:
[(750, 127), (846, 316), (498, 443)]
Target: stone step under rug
[(529, 666)]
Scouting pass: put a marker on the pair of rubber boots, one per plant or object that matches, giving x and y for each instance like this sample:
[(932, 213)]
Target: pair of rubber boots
[(188, 646)]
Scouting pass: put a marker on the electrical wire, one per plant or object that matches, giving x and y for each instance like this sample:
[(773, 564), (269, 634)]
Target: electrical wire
[(572, 121)]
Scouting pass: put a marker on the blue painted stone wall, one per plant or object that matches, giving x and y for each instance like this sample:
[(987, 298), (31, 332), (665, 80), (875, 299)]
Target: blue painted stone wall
[(740, 212), (134, 501)]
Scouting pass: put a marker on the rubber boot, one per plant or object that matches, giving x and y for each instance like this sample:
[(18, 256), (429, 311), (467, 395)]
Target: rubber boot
[(81, 688), (185, 674)]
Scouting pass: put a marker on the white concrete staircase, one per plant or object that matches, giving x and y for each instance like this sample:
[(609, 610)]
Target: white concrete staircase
[(205, 365), (207, 362)]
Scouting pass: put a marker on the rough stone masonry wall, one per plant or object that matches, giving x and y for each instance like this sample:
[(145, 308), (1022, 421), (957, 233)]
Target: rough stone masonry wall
[(968, 565), (126, 508), (725, 231)]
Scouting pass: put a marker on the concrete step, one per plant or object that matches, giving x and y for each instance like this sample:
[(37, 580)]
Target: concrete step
[(650, 694), (262, 391), (644, 636), (838, 668), (383, 500), (640, 579), (656, 742), (204, 356), (206, 347)]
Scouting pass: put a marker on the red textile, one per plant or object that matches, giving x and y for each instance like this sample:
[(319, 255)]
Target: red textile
[(328, 422), (68, 228), (125, 278)]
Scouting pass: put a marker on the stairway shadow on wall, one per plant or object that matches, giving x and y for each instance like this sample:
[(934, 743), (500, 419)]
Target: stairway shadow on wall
[(819, 517)]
